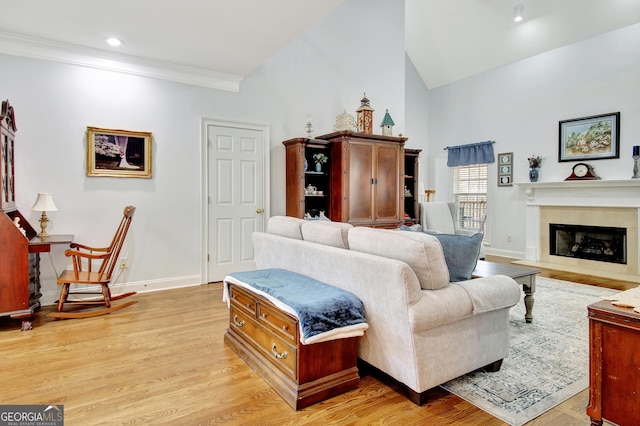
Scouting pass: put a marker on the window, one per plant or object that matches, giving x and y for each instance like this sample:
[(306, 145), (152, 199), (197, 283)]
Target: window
[(470, 192)]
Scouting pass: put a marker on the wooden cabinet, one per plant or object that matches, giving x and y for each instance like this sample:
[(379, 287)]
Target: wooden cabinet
[(411, 186), (301, 174), (367, 178), (614, 364), (362, 183), (267, 339), (19, 270), (19, 264)]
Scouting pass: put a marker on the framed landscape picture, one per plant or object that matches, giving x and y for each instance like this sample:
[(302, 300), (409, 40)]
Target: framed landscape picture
[(590, 138), (118, 153)]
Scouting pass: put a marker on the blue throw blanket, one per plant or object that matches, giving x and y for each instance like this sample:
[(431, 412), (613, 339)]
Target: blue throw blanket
[(319, 306)]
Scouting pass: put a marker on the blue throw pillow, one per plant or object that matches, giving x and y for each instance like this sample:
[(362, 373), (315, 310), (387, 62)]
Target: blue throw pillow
[(461, 253)]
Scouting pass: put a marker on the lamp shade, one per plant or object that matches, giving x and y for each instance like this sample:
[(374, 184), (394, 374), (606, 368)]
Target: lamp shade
[(44, 203)]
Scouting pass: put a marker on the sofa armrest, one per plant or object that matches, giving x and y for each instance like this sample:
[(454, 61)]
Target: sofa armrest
[(491, 293)]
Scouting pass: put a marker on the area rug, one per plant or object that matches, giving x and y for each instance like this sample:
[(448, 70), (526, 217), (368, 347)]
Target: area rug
[(548, 360)]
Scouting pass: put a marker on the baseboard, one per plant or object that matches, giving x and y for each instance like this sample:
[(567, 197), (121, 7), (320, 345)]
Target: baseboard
[(504, 253), (50, 297)]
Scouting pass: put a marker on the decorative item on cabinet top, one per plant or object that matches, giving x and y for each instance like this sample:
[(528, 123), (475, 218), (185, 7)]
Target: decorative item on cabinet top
[(345, 121), (387, 124), (365, 116), (309, 127)]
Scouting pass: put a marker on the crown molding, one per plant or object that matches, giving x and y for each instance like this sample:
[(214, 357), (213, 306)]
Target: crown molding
[(32, 47)]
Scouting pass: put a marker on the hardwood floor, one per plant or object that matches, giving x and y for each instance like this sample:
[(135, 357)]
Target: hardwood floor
[(163, 360)]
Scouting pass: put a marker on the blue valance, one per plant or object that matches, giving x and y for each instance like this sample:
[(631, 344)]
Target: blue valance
[(473, 153)]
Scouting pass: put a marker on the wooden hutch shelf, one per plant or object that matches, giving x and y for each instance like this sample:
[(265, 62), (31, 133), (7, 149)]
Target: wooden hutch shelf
[(411, 186), (362, 183)]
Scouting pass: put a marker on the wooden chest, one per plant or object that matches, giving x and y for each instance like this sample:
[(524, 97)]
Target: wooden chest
[(614, 367), (268, 340)]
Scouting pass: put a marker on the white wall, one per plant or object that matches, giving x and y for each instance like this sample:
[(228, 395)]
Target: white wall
[(54, 104), (519, 106), (417, 119), (359, 47)]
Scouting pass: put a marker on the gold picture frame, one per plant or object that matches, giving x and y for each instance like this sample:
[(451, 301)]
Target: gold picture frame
[(118, 153)]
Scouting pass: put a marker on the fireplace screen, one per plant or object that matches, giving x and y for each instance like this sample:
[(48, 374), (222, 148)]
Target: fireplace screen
[(599, 243)]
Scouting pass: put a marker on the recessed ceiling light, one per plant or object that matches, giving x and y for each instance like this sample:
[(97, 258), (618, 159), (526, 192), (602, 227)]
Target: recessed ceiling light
[(112, 41), (519, 13)]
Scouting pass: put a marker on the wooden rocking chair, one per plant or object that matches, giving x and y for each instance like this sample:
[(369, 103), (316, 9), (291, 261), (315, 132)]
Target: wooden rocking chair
[(97, 271)]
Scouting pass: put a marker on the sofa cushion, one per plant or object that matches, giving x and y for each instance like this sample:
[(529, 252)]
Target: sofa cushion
[(327, 233), (422, 252), (461, 253), (285, 226)]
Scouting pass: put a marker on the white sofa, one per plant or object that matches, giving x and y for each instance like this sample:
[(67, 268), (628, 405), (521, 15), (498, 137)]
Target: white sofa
[(423, 330)]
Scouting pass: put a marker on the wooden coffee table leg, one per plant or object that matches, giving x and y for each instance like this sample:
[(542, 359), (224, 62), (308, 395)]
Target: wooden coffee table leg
[(528, 287), (528, 301)]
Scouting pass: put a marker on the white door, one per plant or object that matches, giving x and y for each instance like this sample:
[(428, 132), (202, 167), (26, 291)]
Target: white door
[(236, 196)]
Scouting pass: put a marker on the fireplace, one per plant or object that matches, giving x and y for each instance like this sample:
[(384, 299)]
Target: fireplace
[(597, 203), (597, 243)]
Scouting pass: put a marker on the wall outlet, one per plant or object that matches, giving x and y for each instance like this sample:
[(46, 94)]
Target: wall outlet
[(123, 262)]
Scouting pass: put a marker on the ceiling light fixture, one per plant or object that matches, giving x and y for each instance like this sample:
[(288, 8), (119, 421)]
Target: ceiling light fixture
[(519, 13), (112, 41)]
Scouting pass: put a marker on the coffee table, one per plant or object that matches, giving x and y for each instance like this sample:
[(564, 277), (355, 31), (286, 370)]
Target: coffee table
[(522, 274)]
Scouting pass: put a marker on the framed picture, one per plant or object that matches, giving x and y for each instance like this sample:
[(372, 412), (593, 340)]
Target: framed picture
[(590, 138), (505, 169), (118, 153)]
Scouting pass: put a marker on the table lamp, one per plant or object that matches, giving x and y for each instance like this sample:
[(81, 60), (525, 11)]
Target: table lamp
[(44, 203)]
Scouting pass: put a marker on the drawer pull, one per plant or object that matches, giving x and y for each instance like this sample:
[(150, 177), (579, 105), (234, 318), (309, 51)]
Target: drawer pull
[(249, 306), (236, 322), (285, 327), (264, 316), (278, 355)]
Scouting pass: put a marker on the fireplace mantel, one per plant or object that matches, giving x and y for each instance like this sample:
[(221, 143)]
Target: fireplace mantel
[(575, 201), (600, 192)]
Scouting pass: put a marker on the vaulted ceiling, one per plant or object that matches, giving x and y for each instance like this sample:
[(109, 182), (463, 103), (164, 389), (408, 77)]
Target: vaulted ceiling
[(225, 40)]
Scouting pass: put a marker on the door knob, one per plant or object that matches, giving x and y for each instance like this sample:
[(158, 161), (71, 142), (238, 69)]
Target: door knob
[(259, 211)]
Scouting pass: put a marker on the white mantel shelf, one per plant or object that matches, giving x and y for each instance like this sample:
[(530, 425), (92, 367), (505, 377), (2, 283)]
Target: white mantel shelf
[(597, 183), (597, 192)]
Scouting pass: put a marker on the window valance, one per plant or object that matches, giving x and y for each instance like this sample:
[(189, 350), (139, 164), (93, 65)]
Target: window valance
[(473, 153)]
